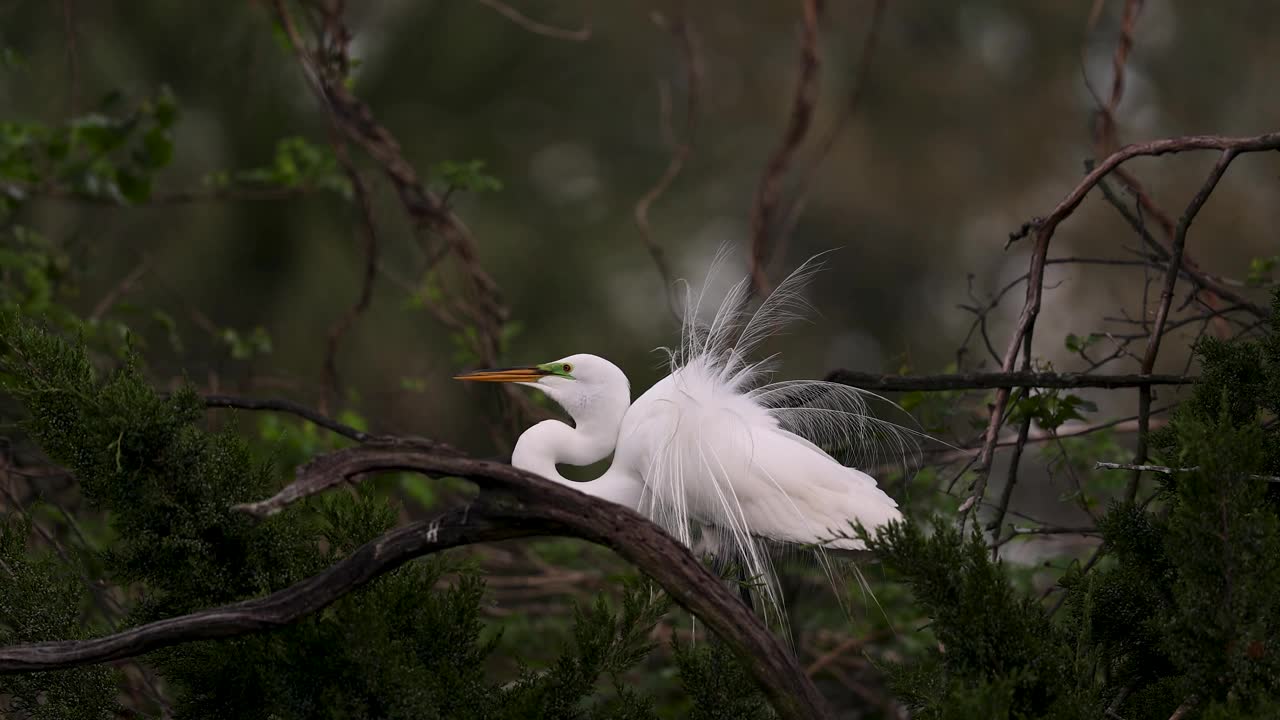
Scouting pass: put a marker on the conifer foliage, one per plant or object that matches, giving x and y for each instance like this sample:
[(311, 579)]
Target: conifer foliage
[(405, 646), (1184, 609)]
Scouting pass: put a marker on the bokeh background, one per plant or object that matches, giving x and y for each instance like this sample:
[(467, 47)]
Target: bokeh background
[(974, 117)]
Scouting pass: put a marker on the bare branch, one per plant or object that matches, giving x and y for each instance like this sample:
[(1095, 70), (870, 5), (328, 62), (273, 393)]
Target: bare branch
[(1188, 143), (118, 290), (1006, 495), (1047, 530), (860, 73), (1162, 311), (769, 191), (853, 642), (985, 381), (536, 27), (1044, 229), (369, 240), (1164, 470), (478, 310), (684, 33), (513, 503), (286, 406)]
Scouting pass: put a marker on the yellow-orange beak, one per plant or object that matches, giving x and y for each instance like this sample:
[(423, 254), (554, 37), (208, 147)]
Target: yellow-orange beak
[(530, 373)]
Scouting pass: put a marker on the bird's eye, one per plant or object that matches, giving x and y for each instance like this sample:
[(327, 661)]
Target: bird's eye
[(567, 367)]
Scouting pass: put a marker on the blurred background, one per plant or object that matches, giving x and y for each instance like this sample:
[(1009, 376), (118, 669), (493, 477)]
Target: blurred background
[(971, 119), (974, 118)]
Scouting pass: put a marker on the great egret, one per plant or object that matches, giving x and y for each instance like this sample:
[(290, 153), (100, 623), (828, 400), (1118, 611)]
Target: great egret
[(713, 450)]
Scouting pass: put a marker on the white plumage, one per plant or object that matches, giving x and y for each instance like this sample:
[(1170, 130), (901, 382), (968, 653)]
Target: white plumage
[(716, 455)]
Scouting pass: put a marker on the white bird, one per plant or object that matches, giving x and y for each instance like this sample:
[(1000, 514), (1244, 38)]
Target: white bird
[(712, 452)]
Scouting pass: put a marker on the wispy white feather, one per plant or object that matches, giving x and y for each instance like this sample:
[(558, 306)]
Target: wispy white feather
[(743, 462)]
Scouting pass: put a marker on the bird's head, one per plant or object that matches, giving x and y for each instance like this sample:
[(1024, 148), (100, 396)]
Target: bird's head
[(577, 383)]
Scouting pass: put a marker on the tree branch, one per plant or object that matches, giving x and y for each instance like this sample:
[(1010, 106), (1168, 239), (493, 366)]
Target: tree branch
[(513, 503), (1166, 146), (292, 408), (536, 27), (479, 300), (683, 31), (984, 381), (369, 242), (853, 100), (1163, 470), (1162, 311), (1044, 228), (769, 191)]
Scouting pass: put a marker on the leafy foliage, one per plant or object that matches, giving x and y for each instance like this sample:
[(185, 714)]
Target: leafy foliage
[(105, 155), (400, 647), (38, 601), (997, 650), (1186, 610), (718, 685), (470, 176), (296, 165)]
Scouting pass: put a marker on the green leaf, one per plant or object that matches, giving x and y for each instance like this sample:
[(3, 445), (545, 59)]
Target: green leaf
[(1260, 269), (467, 175), (157, 148), (134, 187)]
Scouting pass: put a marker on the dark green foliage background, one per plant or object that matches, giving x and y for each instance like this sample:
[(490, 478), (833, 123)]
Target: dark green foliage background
[(402, 647), (1185, 604), (136, 142)]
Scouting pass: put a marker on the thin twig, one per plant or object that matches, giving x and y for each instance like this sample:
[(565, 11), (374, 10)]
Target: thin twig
[(809, 172), (1011, 479), (945, 456), (369, 241), (843, 647), (684, 33), (769, 192), (292, 408), (1154, 148), (536, 27), (117, 291), (1049, 530), (1044, 229), (986, 381), (1162, 310), (477, 312), (1006, 495), (1165, 470)]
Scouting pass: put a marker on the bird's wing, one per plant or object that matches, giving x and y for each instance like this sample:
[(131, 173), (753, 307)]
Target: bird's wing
[(791, 490), (714, 457)]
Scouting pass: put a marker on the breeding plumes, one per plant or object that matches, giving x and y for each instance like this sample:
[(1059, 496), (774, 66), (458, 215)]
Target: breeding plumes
[(714, 453)]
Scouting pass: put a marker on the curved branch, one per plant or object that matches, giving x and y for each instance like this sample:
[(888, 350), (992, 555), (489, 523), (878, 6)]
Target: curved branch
[(536, 27), (280, 608), (986, 381), (1045, 226), (513, 503), (683, 30), (1162, 311), (769, 191), (369, 243), (1043, 230)]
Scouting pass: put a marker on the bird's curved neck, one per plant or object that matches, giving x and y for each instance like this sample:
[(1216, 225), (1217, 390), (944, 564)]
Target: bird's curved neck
[(549, 442)]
